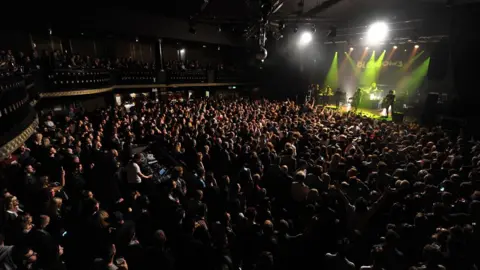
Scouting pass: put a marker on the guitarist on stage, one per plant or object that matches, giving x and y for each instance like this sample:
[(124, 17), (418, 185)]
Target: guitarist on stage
[(356, 99), (389, 101)]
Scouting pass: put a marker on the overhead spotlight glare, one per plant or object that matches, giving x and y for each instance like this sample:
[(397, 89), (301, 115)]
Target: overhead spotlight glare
[(416, 46), (204, 46), (305, 38), (405, 49), (351, 48), (366, 48), (219, 29), (219, 48), (377, 32), (263, 60), (395, 47), (182, 51)]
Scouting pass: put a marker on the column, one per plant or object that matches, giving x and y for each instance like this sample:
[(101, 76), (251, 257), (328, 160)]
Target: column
[(159, 54)]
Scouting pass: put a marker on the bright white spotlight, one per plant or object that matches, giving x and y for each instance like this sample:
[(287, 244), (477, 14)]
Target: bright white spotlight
[(416, 46), (366, 48), (395, 47), (377, 32), (182, 51), (305, 38), (351, 48)]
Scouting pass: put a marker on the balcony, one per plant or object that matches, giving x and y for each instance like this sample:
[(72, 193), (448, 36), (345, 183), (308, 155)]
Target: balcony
[(17, 117), (62, 83)]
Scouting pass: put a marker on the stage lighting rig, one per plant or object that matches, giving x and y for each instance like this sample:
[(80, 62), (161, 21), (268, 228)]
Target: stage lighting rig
[(377, 32), (305, 39)]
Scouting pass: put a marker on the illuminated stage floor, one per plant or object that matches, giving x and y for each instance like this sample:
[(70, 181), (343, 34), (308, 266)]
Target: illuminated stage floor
[(375, 114)]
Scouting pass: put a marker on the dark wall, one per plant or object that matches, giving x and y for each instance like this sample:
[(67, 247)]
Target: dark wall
[(117, 22), (15, 40)]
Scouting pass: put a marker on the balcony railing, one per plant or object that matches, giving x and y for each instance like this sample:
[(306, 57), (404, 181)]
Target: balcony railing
[(91, 81), (16, 113)]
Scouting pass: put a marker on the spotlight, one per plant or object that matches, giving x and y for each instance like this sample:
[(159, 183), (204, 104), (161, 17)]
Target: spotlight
[(305, 38), (405, 50), (136, 39), (395, 47), (219, 29), (204, 46), (182, 51), (416, 46), (295, 29), (218, 48), (261, 54), (366, 48), (351, 48), (377, 32)]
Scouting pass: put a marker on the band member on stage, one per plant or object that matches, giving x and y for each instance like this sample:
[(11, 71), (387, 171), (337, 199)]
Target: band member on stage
[(356, 99), (389, 101), (373, 87), (325, 93)]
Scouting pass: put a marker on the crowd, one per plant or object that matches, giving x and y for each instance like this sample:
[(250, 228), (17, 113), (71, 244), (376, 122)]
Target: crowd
[(263, 185), (25, 63), (195, 65)]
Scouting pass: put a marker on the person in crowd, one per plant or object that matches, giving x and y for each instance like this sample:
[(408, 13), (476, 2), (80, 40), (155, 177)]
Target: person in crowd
[(134, 174)]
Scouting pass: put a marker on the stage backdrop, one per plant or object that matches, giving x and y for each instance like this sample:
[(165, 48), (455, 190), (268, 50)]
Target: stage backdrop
[(401, 68)]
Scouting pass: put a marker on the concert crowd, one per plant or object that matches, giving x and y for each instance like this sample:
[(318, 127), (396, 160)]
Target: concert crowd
[(259, 185)]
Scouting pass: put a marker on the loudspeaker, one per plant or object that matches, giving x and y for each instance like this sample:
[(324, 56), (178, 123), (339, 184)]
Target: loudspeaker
[(439, 61), (398, 117)]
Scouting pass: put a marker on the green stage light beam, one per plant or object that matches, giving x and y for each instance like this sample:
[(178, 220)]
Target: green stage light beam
[(369, 73), (410, 61), (332, 75), (355, 69), (411, 83), (379, 65)]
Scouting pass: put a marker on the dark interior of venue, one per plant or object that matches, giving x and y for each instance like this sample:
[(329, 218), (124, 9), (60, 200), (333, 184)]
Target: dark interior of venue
[(240, 135)]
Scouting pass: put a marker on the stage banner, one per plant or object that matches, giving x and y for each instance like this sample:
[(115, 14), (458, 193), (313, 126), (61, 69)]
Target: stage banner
[(401, 68)]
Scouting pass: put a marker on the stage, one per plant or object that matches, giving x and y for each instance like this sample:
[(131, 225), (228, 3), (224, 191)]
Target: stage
[(370, 113)]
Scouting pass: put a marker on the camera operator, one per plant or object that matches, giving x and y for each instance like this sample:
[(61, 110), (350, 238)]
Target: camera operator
[(134, 174)]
